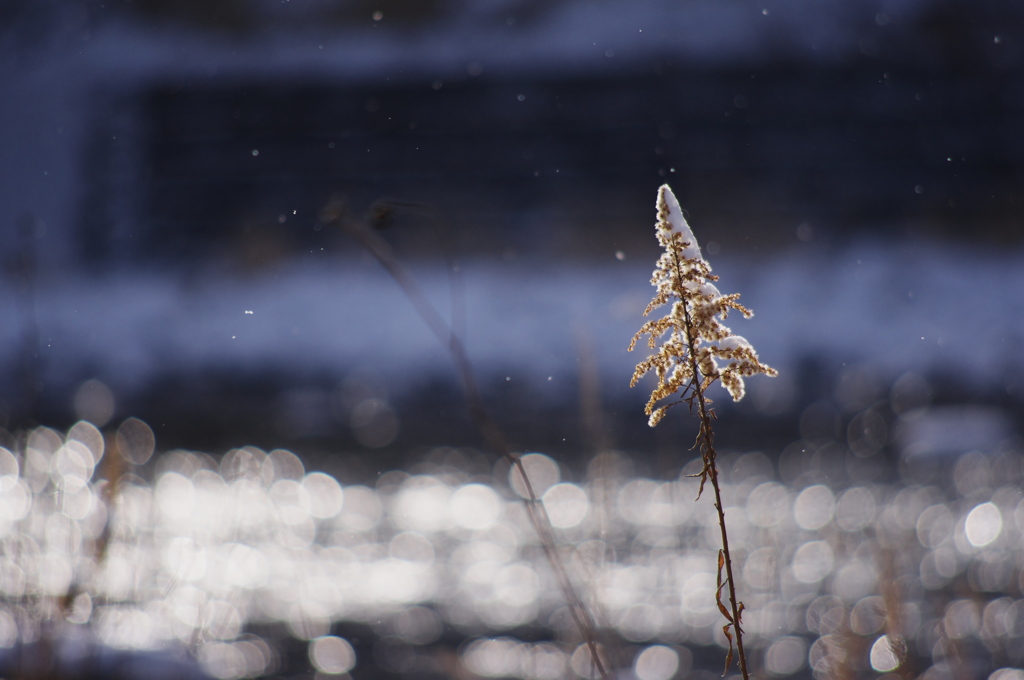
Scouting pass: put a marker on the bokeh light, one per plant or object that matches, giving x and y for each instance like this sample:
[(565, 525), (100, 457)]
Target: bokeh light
[(814, 507), (213, 550), (475, 506), (656, 663), (983, 524), (786, 655), (883, 658), (566, 505), (332, 654), (541, 470)]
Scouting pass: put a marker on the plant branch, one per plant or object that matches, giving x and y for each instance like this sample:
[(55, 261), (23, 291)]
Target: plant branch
[(539, 519), (705, 439)]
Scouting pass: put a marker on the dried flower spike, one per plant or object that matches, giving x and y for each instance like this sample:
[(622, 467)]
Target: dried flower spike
[(697, 343)]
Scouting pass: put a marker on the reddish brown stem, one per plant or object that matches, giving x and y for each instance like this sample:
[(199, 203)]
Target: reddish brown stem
[(705, 440)]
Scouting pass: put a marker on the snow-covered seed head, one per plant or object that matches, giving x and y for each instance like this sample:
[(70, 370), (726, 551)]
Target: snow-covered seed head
[(694, 342)]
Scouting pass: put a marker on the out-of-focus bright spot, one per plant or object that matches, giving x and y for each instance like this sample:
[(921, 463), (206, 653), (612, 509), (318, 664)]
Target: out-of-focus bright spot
[(124, 627), (83, 504), (257, 654), (883, 659), (9, 468), (223, 660), (868, 616), (760, 570), (302, 626), (184, 559), (644, 501), (15, 496), (541, 470), (934, 525), (89, 436), (251, 506), (411, 547), (566, 505), (62, 534), (543, 661), (495, 658), (94, 402), (374, 424), (187, 604), (867, 434), (698, 594), (622, 586), (855, 509), (1007, 674), (282, 464), (854, 580), (244, 463), (983, 524), (326, 496), (243, 566), (938, 567), (786, 655), (291, 500), (517, 583), (583, 663), (639, 622), (768, 504), (175, 495), (80, 610), (972, 474), (362, 509), (515, 599), (8, 630), (814, 507), (135, 441), (53, 574), (221, 620), (332, 655), (475, 506), (813, 561), (962, 619), (15, 502), (72, 464), (656, 663), (400, 581), (421, 504)]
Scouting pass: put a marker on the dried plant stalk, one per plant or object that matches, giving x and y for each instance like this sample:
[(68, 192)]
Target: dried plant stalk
[(335, 213), (694, 346)]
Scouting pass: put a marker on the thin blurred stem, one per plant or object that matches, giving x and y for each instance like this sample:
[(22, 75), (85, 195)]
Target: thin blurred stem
[(381, 209), (705, 440), (535, 509)]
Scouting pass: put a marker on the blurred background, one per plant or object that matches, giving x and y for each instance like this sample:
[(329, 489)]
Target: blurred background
[(853, 169)]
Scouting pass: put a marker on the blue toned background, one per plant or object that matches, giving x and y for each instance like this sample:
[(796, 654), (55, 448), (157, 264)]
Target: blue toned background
[(853, 169)]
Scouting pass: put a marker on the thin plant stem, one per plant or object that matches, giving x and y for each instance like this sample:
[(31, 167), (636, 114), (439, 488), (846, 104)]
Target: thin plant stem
[(709, 455), (535, 510), (687, 363)]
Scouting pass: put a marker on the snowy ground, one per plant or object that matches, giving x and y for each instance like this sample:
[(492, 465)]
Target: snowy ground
[(899, 308)]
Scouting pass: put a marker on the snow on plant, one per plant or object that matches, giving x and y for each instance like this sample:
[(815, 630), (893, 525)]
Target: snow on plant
[(689, 361), (697, 343)]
